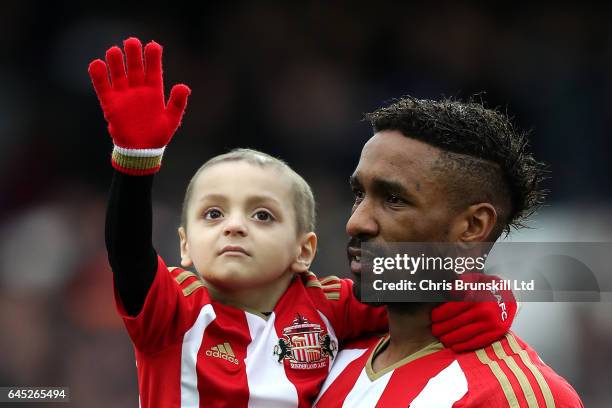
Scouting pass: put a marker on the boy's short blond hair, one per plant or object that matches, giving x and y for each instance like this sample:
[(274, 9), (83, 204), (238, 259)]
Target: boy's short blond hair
[(303, 199)]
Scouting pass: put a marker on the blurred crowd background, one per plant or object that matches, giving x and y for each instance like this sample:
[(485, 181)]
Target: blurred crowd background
[(293, 80)]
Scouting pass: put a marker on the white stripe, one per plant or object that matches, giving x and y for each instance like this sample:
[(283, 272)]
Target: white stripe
[(443, 390), (365, 393), (332, 335), (343, 359), (192, 341), (140, 152), (272, 389)]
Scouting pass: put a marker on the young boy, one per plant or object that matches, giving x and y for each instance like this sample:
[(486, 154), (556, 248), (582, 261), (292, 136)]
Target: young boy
[(253, 327)]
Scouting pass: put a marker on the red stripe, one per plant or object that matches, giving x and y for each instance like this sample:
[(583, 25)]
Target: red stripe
[(483, 387), (331, 282), (216, 374), (151, 378), (408, 381), (307, 382)]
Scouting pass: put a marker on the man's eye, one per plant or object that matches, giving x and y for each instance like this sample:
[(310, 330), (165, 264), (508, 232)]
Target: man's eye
[(263, 216), (213, 214), (358, 195), (393, 199)]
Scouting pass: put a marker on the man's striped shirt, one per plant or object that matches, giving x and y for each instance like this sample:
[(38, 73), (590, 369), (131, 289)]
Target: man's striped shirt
[(507, 373)]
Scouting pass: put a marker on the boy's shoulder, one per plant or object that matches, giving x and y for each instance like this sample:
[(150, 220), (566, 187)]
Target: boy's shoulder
[(188, 281), (331, 287)]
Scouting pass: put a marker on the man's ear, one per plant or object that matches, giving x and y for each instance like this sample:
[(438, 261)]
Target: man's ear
[(475, 223), (307, 251), (186, 261)]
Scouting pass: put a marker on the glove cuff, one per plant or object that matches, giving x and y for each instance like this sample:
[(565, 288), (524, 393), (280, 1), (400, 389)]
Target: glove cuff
[(137, 162)]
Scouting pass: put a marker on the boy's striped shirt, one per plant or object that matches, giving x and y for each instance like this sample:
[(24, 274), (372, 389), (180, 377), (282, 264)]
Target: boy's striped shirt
[(194, 352)]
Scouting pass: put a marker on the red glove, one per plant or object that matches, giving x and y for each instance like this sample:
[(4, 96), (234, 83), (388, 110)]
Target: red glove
[(482, 318), (139, 122)]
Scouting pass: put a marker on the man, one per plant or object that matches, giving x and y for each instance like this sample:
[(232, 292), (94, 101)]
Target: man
[(440, 171)]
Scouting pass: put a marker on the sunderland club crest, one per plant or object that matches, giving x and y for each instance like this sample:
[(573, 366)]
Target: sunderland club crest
[(304, 345)]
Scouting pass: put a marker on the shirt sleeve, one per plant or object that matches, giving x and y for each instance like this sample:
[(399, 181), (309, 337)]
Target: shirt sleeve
[(128, 234), (350, 318), (170, 308)]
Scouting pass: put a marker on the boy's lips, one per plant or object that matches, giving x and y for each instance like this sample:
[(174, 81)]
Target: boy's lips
[(234, 250)]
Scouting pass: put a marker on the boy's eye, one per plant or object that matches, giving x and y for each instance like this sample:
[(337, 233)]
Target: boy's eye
[(213, 214), (263, 216)]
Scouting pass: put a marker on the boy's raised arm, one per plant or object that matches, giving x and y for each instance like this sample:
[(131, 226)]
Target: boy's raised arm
[(141, 125)]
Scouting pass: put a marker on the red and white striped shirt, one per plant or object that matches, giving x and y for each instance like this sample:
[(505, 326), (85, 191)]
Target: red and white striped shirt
[(194, 352), (507, 373)]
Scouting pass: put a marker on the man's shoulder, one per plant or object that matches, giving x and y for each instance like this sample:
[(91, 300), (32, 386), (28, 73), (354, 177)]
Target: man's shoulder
[(510, 371)]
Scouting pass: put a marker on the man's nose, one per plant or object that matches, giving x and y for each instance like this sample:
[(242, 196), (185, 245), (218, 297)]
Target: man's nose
[(362, 221), (235, 225)]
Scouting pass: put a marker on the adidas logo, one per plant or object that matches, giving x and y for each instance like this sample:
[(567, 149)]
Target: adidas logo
[(223, 351)]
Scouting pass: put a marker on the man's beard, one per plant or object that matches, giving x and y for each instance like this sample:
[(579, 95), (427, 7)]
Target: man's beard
[(399, 307)]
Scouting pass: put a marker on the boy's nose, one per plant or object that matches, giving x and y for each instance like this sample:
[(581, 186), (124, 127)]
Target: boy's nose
[(235, 226)]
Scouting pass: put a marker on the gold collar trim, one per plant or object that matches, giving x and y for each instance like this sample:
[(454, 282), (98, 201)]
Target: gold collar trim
[(382, 344)]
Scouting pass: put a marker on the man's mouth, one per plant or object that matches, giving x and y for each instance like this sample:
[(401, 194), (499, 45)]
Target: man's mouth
[(354, 257)]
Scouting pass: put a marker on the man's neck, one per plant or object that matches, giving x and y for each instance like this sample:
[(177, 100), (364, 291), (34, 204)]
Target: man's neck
[(408, 333)]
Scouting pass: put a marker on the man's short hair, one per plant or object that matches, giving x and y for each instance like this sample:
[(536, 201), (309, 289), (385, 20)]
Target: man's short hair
[(303, 199), (484, 157)]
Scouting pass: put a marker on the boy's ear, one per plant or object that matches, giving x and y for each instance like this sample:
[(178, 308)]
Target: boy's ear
[(308, 249), (186, 261)]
